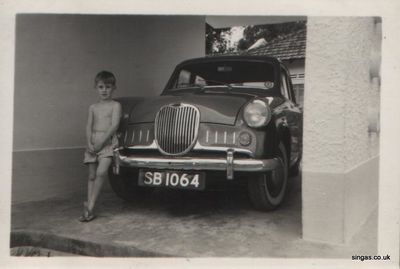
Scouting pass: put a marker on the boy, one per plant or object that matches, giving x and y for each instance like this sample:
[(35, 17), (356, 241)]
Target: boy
[(101, 127)]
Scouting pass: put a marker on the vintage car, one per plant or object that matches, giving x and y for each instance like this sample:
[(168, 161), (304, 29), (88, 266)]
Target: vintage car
[(229, 117)]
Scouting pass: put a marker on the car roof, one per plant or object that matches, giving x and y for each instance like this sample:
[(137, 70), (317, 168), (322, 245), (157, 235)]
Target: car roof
[(230, 58)]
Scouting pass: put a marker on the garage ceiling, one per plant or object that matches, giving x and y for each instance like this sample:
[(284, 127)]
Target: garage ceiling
[(229, 21)]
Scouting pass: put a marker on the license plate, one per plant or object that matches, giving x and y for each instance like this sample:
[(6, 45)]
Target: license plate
[(172, 179)]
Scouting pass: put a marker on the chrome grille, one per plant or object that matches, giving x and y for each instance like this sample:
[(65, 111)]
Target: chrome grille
[(176, 128)]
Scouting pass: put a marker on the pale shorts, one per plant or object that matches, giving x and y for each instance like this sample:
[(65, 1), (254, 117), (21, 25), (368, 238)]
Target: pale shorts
[(106, 152)]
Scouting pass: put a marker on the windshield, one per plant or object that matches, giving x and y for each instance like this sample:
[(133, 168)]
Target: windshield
[(225, 74)]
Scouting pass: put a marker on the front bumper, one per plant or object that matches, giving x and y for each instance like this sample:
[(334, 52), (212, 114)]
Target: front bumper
[(228, 164)]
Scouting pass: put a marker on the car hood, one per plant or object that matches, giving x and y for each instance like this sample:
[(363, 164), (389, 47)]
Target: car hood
[(214, 107)]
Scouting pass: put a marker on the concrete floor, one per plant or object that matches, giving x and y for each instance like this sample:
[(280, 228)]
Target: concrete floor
[(178, 224)]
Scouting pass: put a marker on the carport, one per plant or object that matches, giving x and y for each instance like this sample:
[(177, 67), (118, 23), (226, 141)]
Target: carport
[(333, 204)]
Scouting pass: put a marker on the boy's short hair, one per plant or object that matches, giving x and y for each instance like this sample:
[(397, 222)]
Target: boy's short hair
[(106, 77)]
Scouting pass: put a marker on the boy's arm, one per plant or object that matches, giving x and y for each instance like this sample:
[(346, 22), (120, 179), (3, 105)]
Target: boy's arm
[(115, 118), (89, 127)]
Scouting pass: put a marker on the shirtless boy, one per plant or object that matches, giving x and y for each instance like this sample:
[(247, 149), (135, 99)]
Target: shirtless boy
[(102, 124)]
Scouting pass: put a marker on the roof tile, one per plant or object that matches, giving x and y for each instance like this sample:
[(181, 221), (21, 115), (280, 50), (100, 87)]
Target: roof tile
[(286, 47)]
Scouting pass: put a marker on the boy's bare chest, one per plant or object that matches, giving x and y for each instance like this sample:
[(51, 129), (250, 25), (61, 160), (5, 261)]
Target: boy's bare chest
[(102, 112)]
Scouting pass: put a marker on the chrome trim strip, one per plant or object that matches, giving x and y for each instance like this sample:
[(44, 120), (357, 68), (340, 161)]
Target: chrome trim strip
[(126, 135), (198, 147), (147, 136), (175, 127), (234, 138), (207, 136), (176, 137), (133, 137), (216, 137), (225, 137), (140, 135), (185, 132), (183, 163), (229, 164)]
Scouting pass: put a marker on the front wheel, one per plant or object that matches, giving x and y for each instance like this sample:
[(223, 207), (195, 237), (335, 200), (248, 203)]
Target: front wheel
[(267, 190)]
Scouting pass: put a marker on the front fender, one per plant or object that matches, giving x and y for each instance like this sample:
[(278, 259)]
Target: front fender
[(127, 104)]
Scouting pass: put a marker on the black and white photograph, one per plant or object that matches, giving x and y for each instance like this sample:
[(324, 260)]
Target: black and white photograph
[(194, 135)]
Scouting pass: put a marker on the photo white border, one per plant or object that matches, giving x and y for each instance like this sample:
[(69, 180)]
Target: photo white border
[(388, 224)]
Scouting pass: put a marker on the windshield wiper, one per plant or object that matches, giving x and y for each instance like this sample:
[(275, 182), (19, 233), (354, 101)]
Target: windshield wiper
[(229, 86), (188, 85)]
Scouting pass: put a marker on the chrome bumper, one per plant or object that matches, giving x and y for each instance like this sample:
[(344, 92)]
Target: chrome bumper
[(228, 164)]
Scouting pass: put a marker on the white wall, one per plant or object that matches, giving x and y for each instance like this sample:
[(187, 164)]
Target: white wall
[(340, 171), (338, 56), (57, 57)]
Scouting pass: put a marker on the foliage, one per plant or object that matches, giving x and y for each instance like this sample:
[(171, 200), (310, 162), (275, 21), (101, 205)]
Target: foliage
[(217, 40)]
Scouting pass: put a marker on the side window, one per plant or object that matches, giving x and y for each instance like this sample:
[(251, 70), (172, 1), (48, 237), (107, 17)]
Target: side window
[(186, 78), (284, 84), (200, 81), (183, 79), (291, 90)]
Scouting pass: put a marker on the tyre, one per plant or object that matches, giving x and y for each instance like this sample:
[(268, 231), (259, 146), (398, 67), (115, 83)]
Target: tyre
[(125, 185), (267, 190)]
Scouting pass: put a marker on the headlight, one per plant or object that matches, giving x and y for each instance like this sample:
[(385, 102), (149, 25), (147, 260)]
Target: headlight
[(257, 113)]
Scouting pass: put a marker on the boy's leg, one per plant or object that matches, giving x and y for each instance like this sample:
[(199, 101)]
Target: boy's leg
[(101, 175), (92, 177)]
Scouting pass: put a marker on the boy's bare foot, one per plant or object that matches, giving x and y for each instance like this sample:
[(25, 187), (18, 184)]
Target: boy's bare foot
[(84, 214), (82, 218), (90, 216), (87, 214)]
